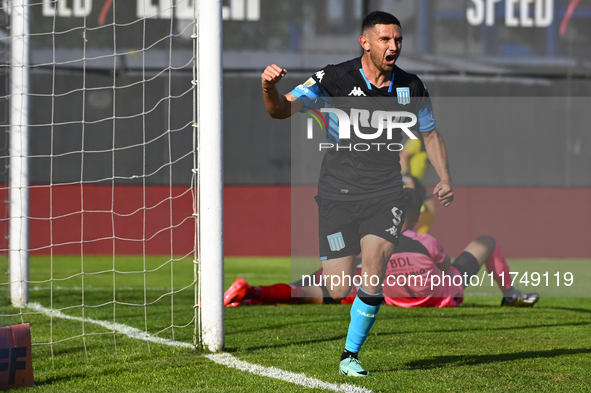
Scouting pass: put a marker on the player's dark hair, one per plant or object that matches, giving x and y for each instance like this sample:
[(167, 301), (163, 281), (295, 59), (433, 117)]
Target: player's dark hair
[(413, 200), (378, 18)]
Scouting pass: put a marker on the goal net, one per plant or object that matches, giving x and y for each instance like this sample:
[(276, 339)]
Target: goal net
[(102, 180)]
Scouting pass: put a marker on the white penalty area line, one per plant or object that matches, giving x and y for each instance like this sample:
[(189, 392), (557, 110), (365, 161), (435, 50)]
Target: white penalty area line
[(224, 359)]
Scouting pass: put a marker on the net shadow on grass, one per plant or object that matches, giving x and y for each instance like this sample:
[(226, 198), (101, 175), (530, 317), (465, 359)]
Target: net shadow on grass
[(340, 337), (583, 310), (303, 322), (473, 360), (398, 333), (68, 377)]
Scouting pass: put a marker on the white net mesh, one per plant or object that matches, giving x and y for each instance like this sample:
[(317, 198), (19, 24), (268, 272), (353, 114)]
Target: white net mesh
[(112, 169)]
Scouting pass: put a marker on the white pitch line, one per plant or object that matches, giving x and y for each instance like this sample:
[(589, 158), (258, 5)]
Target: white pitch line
[(116, 327), (225, 359), (299, 379)]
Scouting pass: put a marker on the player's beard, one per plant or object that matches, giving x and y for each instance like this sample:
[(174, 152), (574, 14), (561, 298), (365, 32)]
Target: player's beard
[(379, 61)]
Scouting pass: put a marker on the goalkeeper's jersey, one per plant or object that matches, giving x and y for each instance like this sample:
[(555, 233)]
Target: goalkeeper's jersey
[(364, 166), (410, 274), (409, 278)]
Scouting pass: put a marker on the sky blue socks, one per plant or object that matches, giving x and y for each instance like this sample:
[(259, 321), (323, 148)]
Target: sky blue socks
[(363, 315)]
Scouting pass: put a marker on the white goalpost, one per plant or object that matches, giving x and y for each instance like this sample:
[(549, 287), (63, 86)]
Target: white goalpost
[(116, 168), (19, 152), (211, 174)]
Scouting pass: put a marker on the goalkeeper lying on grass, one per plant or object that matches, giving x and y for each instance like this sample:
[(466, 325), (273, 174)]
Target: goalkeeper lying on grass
[(419, 273)]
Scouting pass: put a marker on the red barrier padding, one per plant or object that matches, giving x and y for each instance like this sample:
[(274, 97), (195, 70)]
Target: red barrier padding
[(16, 360)]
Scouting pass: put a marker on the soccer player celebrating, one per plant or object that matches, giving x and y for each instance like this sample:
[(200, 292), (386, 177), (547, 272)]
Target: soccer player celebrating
[(360, 198)]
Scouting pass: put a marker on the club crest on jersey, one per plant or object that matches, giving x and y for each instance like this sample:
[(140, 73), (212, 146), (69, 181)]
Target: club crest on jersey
[(310, 82), (403, 94), (336, 241), (357, 92)]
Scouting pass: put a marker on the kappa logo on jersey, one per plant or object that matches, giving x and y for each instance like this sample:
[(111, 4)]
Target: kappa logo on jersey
[(357, 92), (393, 231), (336, 241), (320, 75), (403, 94)]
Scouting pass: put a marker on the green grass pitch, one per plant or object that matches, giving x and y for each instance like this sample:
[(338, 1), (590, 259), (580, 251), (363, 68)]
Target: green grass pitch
[(476, 347)]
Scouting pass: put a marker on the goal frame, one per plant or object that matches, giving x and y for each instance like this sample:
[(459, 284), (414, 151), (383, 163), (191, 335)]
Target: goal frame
[(19, 152), (210, 201), (210, 173)]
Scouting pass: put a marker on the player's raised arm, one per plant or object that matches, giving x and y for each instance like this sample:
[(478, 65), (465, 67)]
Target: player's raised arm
[(279, 106), (438, 157)]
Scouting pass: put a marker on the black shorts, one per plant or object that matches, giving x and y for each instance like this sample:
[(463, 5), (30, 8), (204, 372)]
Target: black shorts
[(342, 224)]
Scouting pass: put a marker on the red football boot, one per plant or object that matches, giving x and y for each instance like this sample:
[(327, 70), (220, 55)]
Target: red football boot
[(236, 292)]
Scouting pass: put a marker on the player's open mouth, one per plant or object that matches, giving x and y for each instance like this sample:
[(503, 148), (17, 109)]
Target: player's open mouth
[(390, 59)]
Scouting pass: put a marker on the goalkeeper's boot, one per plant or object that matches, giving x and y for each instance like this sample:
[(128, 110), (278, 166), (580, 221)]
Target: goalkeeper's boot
[(352, 368), (236, 292), (521, 300)]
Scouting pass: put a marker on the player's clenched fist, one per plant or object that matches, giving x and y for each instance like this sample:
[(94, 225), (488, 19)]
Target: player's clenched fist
[(279, 106), (271, 76), (444, 192)]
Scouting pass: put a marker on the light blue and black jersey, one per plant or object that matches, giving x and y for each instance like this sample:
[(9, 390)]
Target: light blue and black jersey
[(351, 174), (313, 95)]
